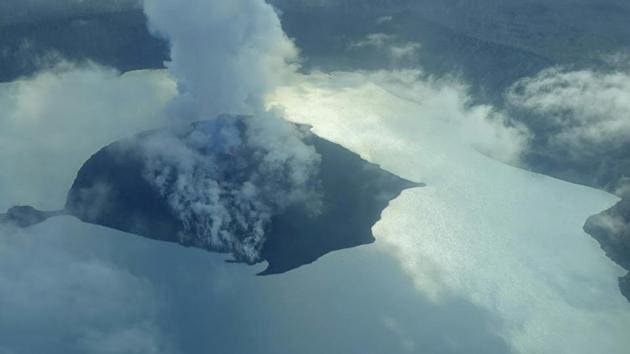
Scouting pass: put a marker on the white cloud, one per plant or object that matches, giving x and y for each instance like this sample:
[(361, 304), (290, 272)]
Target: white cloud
[(51, 286), (398, 51), (384, 19), (226, 55), (585, 112), (63, 298), (59, 118), (374, 40), (78, 288), (404, 51), (419, 98)]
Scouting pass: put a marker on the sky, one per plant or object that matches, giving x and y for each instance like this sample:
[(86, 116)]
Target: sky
[(486, 257)]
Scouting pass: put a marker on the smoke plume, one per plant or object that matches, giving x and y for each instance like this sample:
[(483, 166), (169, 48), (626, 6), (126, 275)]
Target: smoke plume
[(226, 55), (225, 181)]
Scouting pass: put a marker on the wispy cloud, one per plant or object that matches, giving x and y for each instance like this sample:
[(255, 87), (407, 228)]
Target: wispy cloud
[(398, 51), (225, 55)]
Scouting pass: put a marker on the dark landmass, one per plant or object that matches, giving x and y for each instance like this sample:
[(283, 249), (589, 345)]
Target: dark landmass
[(111, 190), (24, 216), (327, 36), (115, 39), (355, 194), (612, 230)]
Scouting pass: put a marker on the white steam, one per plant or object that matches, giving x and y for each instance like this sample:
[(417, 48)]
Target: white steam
[(222, 207), (225, 55), (226, 185)]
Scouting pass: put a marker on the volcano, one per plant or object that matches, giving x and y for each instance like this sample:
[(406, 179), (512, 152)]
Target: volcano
[(112, 189)]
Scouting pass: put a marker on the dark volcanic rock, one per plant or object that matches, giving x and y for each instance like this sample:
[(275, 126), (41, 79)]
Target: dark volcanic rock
[(24, 216), (111, 189), (356, 192), (612, 230)]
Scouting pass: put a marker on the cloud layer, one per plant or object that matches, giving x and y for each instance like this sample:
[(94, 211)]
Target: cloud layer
[(58, 296), (447, 101), (59, 118), (586, 113)]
